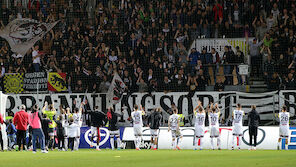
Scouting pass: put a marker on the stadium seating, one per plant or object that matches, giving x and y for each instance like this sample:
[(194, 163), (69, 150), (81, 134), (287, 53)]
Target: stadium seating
[(150, 44)]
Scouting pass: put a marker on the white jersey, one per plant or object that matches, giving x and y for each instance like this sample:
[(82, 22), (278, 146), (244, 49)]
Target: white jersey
[(214, 118), (284, 118), (137, 118), (238, 117), (77, 118), (200, 119), (174, 121)]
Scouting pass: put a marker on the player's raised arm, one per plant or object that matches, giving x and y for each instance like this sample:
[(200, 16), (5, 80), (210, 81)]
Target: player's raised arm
[(211, 105), (44, 107), (217, 108), (81, 107), (196, 108), (200, 105), (207, 110), (53, 109), (142, 109), (61, 109)]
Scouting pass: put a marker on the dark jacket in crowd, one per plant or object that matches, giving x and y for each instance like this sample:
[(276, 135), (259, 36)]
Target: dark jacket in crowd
[(253, 119)]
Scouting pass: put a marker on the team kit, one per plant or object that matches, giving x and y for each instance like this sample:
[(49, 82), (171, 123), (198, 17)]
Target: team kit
[(66, 128), (200, 114)]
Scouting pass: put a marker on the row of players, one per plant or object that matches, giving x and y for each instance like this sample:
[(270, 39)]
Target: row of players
[(67, 127), (200, 116)]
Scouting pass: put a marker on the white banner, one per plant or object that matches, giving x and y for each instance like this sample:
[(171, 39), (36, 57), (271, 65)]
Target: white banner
[(220, 43), (22, 34), (267, 138), (266, 102)]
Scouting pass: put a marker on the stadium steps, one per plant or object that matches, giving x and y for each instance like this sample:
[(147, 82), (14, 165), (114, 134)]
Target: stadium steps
[(257, 85)]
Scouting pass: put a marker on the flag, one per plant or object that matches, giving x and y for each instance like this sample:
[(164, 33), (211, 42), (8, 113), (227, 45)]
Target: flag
[(57, 82), (115, 91), (22, 34), (14, 83)]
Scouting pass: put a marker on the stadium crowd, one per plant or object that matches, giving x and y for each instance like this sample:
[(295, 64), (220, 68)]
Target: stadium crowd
[(147, 43)]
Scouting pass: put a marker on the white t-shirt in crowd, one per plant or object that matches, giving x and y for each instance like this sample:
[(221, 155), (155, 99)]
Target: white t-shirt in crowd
[(34, 54)]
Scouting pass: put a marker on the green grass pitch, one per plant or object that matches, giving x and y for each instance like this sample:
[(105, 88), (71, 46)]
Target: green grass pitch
[(150, 158)]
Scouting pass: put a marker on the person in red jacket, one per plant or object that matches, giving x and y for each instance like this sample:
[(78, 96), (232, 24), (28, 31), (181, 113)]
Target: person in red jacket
[(218, 12), (1, 140), (20, 120)]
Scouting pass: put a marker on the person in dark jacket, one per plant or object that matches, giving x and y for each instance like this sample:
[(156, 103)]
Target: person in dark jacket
[(113, 127), (154, 122), (60, 133), (98, 119), (253, 122), (11, 134), (44, 124)]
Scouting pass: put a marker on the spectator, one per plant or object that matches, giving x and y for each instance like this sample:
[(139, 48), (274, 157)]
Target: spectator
[(35, 122), (127, 79), (273, 83), (219, 86), (215, 62), (255, 56), (193, 57), (166, 85), (218, 12), (143, 87), (260, 28), (104, 86), (11, 131), (20, 120), (179, 83), (269, 66), (281, 66), (206, 59), (36, 58), (5, 14), (289, 82), (268, 40), (191, 84), (239, 59), (265, 52), (229, 59), (202, 81)]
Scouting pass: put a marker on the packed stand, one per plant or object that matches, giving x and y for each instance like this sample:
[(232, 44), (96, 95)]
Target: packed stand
[(148, 43)]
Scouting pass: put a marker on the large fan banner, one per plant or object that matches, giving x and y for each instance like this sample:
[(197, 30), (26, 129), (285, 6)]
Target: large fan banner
[(22, 34)]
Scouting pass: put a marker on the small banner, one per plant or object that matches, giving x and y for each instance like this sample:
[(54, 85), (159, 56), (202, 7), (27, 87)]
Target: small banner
[(13, 83), (32, 80), (57, 82)]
